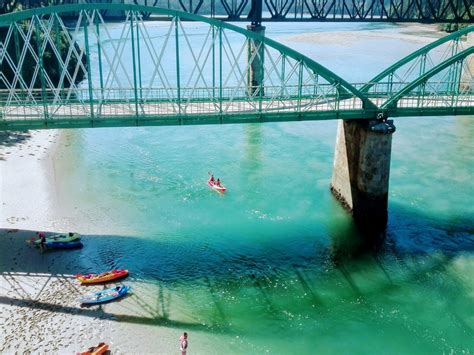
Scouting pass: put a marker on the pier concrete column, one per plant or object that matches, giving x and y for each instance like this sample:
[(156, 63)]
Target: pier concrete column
[(361, 171), (255, 57)]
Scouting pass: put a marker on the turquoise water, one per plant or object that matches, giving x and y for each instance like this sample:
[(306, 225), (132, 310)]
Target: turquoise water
[(275, 265)]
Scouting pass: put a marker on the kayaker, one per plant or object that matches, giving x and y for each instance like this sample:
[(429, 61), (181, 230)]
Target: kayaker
[(212, 179), (183, 343), (218, 183)]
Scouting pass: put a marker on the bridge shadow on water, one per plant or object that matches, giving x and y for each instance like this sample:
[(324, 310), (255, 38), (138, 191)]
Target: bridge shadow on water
[(413, 243)]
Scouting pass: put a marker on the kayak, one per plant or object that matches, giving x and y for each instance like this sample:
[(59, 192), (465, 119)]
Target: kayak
[(63, 238), (64, 245), (106, 295), (96, 350), (104, 277), (215, 187)]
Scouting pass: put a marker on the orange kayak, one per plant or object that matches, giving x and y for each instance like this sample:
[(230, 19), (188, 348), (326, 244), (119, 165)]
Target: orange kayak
[(104, 277), (96, 350)]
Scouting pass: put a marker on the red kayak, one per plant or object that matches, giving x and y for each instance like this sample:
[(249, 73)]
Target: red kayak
[(213, 185)]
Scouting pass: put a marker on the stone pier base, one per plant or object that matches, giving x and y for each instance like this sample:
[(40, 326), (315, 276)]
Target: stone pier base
[(361, 171)]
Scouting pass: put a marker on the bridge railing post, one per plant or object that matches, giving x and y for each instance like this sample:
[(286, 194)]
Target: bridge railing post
[(178, 82), (41, 69), (135, 85), (85, 25), (101, 70)]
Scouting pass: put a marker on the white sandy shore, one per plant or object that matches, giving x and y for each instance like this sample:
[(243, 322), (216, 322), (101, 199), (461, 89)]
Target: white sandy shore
[(26, 178)]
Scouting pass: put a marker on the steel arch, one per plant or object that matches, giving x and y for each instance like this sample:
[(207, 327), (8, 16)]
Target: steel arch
[(450, 97), (292, 85), (417, 63)]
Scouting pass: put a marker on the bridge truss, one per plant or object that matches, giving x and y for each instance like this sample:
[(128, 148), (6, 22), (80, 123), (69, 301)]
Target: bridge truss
[(85, 72), (426, 11)]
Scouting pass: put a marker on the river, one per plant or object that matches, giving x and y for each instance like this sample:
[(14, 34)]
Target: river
[(275, 265)]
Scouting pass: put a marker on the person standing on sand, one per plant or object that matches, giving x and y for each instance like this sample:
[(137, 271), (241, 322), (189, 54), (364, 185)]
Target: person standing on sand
[(183, 343)]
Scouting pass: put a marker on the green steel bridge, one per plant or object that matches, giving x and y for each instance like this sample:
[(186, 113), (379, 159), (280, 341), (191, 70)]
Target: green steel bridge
[(61, 72), (257, 11)]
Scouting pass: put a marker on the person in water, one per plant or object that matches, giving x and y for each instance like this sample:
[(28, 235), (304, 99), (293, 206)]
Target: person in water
[(42, 243), (183, 343)]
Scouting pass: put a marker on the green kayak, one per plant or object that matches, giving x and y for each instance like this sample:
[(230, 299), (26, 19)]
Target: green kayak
[(58, 238)]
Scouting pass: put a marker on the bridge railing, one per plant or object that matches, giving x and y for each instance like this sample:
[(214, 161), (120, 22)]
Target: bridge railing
[(97, 103)]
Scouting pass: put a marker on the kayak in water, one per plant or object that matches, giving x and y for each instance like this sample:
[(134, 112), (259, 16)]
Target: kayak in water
[(216, 185), (103, 277), (106, 295), (64, 245)]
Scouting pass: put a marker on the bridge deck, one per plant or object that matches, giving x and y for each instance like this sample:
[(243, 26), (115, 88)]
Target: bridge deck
[(236, 111)]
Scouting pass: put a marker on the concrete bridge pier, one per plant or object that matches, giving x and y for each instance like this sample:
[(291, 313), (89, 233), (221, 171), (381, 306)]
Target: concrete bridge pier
[(361, 171), (255, 57)]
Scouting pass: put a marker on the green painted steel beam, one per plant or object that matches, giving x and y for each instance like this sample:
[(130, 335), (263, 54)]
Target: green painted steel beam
[(177, 120), (133, 121)]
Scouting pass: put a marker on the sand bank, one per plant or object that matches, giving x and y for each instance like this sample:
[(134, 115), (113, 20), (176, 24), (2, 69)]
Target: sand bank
[(407, 32)]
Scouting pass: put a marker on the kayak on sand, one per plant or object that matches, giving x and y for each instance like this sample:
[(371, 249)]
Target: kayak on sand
[(106, 295), (103, 277), (96, 350)]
